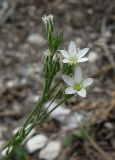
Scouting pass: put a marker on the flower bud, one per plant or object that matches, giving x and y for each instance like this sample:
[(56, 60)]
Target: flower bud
[(47, 19), (47, 53)]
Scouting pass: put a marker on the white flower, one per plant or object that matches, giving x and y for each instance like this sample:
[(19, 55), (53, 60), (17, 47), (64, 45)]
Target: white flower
[(77, 84), (73, 55), (47, 18)]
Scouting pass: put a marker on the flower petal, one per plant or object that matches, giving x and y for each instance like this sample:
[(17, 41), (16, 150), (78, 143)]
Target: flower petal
[(87, 82), (82, 52), (78, 75), (82, 59), (70, 90), (72, 48), (64, 54), (65, 61), (82, 92), (68, 80)]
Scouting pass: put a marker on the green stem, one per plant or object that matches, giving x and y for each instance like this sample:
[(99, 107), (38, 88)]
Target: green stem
[(46, 114), (18, 138), (34, 118)]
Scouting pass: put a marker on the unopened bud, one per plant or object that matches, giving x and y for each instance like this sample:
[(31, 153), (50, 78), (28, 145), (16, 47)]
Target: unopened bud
[(47, 19), (47, 53), (56, 57)]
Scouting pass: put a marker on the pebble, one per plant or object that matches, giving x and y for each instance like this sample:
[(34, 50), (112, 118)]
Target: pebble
[(36, 38), (60, 113), (112, 46), (107, 34), (51, 151), (34, 98), (79, 41), (93, 56), (73, 121), (35, 143), (108, 125), (90, 11), (12, 83)]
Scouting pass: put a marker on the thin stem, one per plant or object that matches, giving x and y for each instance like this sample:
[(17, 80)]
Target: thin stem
[(51, 67), (56, 85), (46, 115), (59, 104), (21, 134)]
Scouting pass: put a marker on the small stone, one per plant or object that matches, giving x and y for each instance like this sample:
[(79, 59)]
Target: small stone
[(107, 34), (34, 98), (112, 46), (79, 41), (12, 83), (36, 39), (100, 42), (35, 143), (73, 121), (23, 81), (93, 56), (60, 113), (108, 125), (51, 151), (90, 11)]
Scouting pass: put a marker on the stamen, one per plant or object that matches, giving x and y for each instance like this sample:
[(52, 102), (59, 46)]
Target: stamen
[(77, 86), (72, 59)]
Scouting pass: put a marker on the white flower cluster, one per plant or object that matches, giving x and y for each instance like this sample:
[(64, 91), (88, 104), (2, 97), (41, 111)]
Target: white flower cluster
[(77, 84)]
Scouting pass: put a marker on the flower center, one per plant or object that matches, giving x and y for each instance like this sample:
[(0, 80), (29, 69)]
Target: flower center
[(77, 86), (72, 59)]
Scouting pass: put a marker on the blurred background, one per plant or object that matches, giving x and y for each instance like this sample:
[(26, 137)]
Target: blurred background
[(90, 23)]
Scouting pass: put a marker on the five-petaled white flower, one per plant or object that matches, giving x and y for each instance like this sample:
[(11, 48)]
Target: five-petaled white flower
[(74, 55), (77, 84)]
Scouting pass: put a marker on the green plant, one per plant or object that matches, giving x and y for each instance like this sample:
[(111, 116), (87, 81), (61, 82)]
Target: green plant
[(52, 64)]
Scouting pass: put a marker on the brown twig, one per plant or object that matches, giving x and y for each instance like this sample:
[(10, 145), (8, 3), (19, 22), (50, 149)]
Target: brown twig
[(96, 147), (10, 114)]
